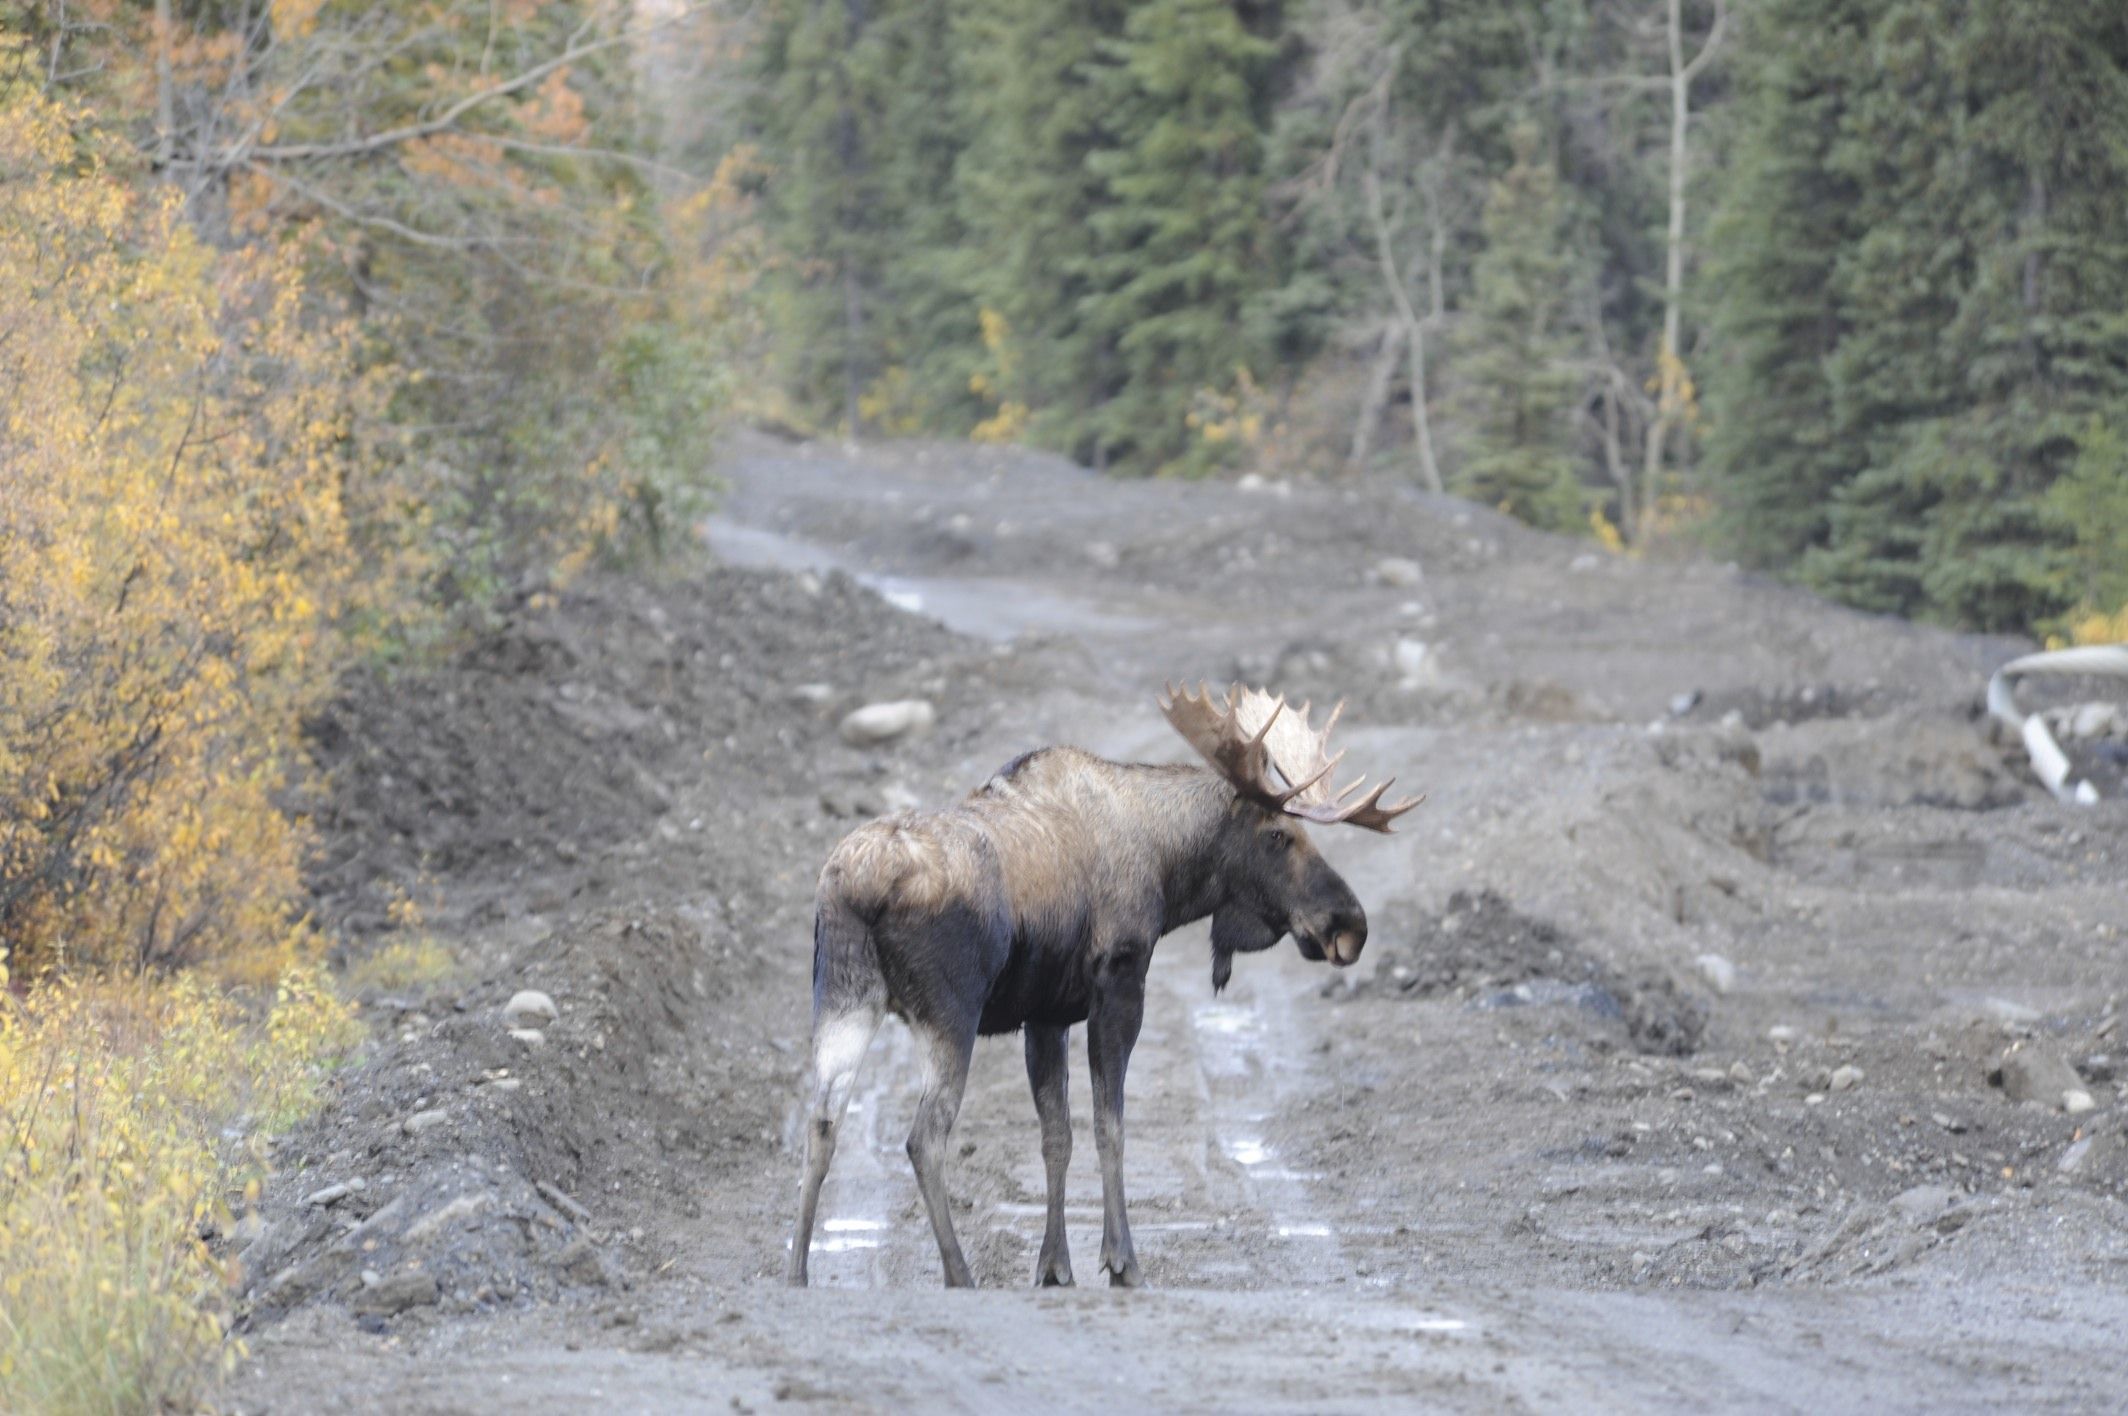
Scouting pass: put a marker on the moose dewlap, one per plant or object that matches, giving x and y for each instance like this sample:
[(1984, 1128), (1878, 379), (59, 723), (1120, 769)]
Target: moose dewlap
[(1035, 904)]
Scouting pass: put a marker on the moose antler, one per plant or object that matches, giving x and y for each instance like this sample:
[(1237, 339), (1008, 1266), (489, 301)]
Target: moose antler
[(1253, 734)]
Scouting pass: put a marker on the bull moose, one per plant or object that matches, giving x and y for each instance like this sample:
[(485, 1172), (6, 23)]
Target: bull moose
[(1035, 904)]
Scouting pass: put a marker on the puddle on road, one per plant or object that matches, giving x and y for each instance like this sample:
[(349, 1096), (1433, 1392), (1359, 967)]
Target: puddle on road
[(1254, 1153), (1226, 1019), (847, 1235), (1245, 1049), (907, 601), (987, 609), (1017, 1209), (850, 1246)]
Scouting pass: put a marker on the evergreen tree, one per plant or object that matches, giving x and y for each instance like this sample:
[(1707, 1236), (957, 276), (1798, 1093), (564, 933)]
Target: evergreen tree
[(926, 306), (1515, 350), (1988, 300), (2088, 506), (1180, 231), (1034, 113), (828, 76), (1787, 216)]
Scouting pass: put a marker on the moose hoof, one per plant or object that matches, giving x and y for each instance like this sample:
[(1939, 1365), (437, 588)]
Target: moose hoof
[(1127, 1276), (1053, 1275)]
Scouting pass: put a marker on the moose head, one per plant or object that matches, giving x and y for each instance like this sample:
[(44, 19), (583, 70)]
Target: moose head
[(1280, 769)]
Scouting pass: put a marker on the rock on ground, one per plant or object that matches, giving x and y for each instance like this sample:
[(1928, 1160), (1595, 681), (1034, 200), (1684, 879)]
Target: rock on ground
[(883, 722), (2032, 1071)]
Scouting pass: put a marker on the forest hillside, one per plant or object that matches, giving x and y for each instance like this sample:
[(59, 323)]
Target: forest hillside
[(1840, 285)]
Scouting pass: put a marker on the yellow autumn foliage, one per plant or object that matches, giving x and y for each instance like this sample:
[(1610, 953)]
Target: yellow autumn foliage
[(115, 1101), (2094, 627), (212, 480), (1009, 417), (174, 564), (174, 558)]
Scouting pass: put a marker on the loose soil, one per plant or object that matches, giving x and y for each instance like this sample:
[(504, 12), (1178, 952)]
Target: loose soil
[(1538, 1149)]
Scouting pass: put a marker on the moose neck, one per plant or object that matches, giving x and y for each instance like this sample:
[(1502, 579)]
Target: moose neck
[(1188, 812)]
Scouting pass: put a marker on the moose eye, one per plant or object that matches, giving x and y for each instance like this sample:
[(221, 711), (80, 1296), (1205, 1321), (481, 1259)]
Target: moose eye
[(1281, 841)]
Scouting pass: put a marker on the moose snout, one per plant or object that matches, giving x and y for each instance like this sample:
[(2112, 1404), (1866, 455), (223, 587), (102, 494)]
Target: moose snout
[(1348, 935), (1335, 931), (1339, 937)]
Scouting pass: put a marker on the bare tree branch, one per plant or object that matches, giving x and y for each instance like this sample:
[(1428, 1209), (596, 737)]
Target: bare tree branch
[(577, 48), (1710, 44), (602, 154), (1414, 331), (364, 218)]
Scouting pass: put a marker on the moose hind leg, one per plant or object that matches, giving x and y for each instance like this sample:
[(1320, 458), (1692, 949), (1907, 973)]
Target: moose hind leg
[(839, 1045), (1048, 1075), (945, 1058)]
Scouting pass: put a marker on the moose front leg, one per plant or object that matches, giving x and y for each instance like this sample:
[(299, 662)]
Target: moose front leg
[(1047, 1074), (1111, 1031)]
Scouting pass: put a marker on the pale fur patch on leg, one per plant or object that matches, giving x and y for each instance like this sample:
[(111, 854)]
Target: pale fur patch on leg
[(839, 1046)]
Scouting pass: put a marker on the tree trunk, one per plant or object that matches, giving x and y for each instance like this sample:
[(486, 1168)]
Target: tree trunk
[(1386, 359), (1614, 460), (1421, 416), (165, 100), (1670, 367), (1666, 355), (850, 219), (852, 340), (1414, 334)]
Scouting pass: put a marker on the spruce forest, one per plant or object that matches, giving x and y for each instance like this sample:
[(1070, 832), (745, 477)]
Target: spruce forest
[(1839, 287)]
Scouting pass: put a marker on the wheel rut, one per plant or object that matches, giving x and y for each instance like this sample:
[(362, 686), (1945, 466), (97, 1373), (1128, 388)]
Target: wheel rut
[(1206, 1080), (1331, 1213)]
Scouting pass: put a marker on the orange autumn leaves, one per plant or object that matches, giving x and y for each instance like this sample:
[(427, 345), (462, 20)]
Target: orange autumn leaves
[(211, 475), (216, 486), (174, 556)]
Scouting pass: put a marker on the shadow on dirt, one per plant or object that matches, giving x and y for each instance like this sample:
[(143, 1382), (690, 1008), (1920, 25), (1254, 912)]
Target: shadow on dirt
[(1483, 950), (449, 1174)]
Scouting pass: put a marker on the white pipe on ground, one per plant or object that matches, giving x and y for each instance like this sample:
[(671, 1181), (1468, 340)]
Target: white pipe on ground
[(2048, 760)]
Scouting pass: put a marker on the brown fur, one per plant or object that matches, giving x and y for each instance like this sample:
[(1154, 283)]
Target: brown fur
[(1034, 904), (1064, 824)]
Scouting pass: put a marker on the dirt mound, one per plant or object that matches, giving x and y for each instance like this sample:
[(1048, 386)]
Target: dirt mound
[(1795, 703), (617, 802), (517, 762), (448, 1170), (1901, 759), (1402, 676), (1485, 951)]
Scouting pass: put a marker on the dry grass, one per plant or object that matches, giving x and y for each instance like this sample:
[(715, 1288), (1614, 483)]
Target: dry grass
[(130, 1115), (406, 964), (2096, 627)]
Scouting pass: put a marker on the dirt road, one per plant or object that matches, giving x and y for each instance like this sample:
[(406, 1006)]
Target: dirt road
[(1665, 1081)]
